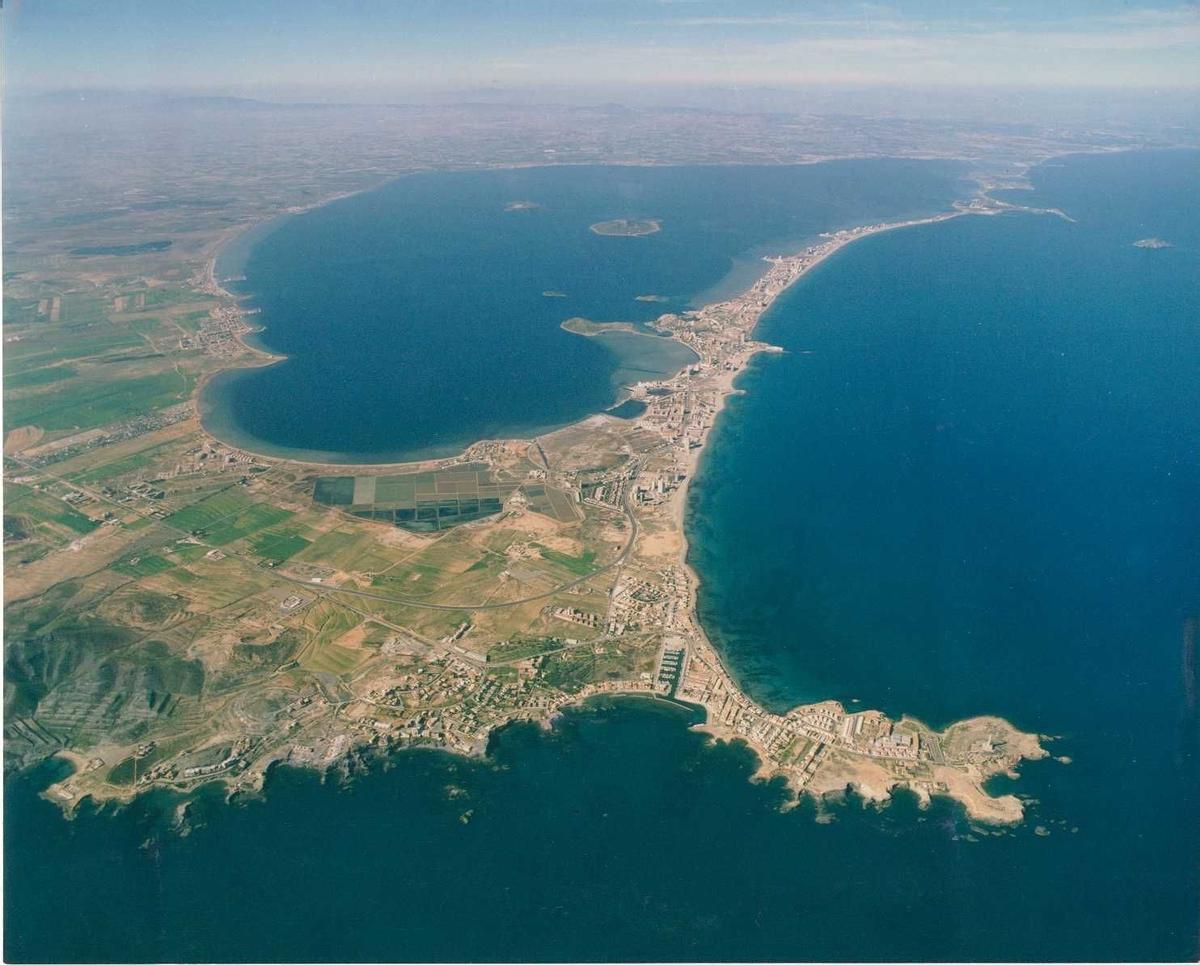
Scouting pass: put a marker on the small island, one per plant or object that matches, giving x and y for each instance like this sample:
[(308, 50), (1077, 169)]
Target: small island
[(521, 206), (627, 227), (585, 326), (1151, 243)]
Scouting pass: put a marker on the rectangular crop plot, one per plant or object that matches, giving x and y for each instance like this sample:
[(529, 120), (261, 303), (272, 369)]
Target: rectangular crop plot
[(227, 516), (393, 489), (279, 544), (334, 490), (420, 501), (364, 489)]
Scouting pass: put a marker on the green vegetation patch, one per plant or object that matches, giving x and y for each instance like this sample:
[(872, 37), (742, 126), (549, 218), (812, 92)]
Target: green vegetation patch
[(131, 768), (331, 621), (334, 490), (60, 346), (212, 509), (156, 297), (251, 520), (82, 308), (148, 608), (279, 544), (33, 617), (226, 516), (273, 653), (521, 648), (39, 377), (120, 467), (192, 321), (335, 660), (579, 565), (17, 528), (142, 565), (410, 579), (74, 521), (43, 507), (88, 404), (190, 552), (77, 671), (131, 249), (20, 311), (571, 669)]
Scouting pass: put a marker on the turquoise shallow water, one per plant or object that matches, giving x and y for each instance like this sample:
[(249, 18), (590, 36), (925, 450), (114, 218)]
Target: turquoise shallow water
[(970, 486)]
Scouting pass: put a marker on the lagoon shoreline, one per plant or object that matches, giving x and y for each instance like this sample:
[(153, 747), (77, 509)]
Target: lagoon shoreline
[(438, 439)]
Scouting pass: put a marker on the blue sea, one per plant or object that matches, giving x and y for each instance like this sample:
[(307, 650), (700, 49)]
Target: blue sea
[(970, 485)]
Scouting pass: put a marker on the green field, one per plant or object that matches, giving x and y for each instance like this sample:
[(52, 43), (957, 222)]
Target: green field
[(411, 579), (348, 551), (82, 308), (58, 346), (579, 565), (227, 516), (158, 297), (334, 659), (192, 321), (520, 649), (43, 507), (120, 467), (20, 311), (88, 404), (36, 377), (279, 544), (330, 621), (143, 565)]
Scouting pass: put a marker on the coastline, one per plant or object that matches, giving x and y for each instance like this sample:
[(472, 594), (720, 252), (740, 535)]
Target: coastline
[(873, 787), (720, 336), (886, 512), (743, 266), (206, 281)]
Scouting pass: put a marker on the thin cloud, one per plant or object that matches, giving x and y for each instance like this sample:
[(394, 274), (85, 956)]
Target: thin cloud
[(1142, 30)]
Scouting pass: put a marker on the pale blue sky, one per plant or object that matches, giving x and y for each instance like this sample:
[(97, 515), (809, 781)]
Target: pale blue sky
[(396, 50)]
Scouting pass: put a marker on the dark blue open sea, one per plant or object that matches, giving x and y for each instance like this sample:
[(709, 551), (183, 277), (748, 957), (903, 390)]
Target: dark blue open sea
[(971, 485)]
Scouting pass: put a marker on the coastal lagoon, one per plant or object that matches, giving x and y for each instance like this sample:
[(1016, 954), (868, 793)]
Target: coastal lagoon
[(969, 486), (425, 315)]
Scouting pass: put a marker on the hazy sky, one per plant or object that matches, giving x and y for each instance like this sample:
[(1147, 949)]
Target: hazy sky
[(379, 50)]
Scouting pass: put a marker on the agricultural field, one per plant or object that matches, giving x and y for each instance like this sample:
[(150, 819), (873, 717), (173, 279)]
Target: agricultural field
[(85, 403), (173, 602), (420, 502), (77, 360), (228, 515)]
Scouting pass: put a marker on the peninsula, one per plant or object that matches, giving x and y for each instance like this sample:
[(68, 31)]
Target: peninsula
[(384, 607)]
